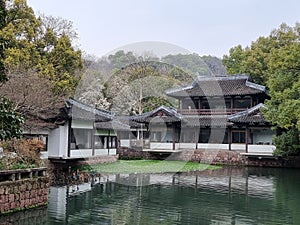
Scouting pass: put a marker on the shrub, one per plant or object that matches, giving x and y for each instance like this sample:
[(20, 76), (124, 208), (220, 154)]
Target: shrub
[(287, 143), (21, 154)]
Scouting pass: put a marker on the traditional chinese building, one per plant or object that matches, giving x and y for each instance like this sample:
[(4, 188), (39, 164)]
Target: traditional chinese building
[(214, 112), (83, 131)]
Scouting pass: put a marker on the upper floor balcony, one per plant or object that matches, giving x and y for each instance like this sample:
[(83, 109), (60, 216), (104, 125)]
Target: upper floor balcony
[(210, 111)]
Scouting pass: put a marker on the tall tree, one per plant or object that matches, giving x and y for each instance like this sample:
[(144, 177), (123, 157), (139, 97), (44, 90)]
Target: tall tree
[(3, 24), (34, 44), (275, 61), (10, 120)]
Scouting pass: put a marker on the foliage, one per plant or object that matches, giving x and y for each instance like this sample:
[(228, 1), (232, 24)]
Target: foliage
[(288, 143), (260, 59), (58, 26), (124, 82), (137, 83), (10, 121), (67, 64), (40, 62), (29, 99), (152, 102), (150, 166), (21, 154), (3, 24), (274, 61), (37, 45), (215, 65), (195, 64)]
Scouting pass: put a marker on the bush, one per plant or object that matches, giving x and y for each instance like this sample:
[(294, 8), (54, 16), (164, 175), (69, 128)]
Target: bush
[(21, 154), (287, 143)]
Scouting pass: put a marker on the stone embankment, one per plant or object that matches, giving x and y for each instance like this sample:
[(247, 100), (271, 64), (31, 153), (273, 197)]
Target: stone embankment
[(23, 189), (209, 156)]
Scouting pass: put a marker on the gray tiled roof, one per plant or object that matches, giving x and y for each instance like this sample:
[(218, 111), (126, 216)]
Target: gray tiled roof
[(171, 115), (79, 110), (113, 125), (249, 116), (129, 120), (218, 86)]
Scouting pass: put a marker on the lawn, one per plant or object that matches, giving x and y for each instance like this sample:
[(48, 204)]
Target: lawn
[(149, 166)]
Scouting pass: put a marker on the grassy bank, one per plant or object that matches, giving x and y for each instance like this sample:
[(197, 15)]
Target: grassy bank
[(149, 166)]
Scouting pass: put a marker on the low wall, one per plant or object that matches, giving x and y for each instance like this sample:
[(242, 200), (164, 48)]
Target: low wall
[(23, 193), (128, 153), (61, 172), (222, 157), (211, 156), (99, 159)]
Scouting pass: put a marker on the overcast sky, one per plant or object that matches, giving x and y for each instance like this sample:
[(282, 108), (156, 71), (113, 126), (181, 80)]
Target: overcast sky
[(208, 27)]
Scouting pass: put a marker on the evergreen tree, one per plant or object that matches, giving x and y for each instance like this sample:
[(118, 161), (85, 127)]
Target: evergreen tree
[(275, 61)]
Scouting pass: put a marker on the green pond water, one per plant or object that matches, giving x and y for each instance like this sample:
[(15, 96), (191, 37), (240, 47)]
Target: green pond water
[(225, 196)]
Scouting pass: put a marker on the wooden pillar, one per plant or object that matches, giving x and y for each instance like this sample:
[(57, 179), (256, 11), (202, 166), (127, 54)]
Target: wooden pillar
[(231, 103), (196, 138), (93, 139), (117, 141), (108, 142), (69, 137), (173, 136), (229, 136), (246, 137)]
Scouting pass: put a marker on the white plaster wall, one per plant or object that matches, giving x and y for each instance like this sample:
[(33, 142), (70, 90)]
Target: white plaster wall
[(234, 147), (261, 148), (112, 151), (84, 153), (78, 153), (263, 136), (43, 132), (83, 124), (187, 145), (58, 142), (53, 143), (125, 143), (158, 145)]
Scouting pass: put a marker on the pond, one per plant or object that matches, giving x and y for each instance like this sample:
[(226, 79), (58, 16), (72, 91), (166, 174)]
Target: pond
[(224, 196)]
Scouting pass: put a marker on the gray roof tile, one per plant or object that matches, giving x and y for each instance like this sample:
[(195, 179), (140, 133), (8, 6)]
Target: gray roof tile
[(218, 86)]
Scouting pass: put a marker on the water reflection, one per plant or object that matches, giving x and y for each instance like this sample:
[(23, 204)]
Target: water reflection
[(227, 196)]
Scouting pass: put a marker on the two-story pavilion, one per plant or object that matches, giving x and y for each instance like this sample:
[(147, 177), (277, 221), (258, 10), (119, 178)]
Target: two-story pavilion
[(214, 112)]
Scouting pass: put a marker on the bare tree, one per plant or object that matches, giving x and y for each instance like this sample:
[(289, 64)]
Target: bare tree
[(32, 96), (59, 26)]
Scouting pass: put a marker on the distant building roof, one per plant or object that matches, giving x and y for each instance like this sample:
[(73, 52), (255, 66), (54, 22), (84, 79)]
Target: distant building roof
[(218, 86)]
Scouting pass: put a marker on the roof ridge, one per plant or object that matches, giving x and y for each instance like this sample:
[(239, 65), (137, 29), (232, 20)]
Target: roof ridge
[(223, 77), (256, 86), (90, 108), (170, 110), (247, 112)]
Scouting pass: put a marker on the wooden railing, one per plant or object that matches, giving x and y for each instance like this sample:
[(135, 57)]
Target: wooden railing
[(209, 111)]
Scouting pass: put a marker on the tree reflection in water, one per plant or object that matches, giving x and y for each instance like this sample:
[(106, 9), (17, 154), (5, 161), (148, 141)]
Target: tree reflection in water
[(226, 196)]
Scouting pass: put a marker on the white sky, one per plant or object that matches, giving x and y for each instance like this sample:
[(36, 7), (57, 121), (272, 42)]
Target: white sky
[(208, 27)]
